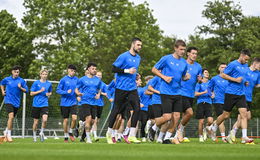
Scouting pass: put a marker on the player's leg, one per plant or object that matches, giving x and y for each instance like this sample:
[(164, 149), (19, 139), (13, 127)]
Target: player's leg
[(44, 112), (120, 99), (166, 105), (11, 110), (73, 112), (135, 103)]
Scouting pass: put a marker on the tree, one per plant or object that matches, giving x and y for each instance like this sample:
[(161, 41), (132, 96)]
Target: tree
[(224, 17), (78, 31), (15, 46)]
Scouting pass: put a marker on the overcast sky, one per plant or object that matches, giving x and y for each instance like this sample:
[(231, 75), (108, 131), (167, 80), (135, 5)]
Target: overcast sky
[(175, 17)]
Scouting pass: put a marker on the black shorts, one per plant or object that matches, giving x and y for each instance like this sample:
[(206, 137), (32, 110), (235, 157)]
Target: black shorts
[(99, 111), (218, 109), (143, 116), (232, 100), (66, 111), (86, 110), (37, 112), (157, 110), (204, 110), (122, 97), (249, 106), (10, 108), (186, 103), (171, 103), (150, 112)]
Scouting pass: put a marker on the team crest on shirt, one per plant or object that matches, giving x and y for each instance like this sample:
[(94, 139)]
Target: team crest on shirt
[(177, 64)]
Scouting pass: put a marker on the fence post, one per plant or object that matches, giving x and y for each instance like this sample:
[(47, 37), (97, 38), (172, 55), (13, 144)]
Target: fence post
[(23, 117), (257, 127)]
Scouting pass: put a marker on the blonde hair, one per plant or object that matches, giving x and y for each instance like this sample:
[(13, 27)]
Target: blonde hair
[(44, 70)]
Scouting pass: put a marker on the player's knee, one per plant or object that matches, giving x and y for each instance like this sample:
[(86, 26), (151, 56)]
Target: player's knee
[(167, 117)]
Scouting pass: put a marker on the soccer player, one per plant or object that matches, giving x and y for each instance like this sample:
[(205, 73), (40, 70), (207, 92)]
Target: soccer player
[(145, 98), (188, 89), (235, 73), (126, 67), (204, 109), (11, 88), (68, 102), (88, 87), (100, 104), (253, 78), (218, 85), (41, 90), (174, 69)]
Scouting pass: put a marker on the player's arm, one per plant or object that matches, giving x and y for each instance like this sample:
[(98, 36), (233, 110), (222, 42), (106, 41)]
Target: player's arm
[(201, 93), (147, 92), (98, 94), (120, 70), (159, 74), (33, 93), (150, 88), (3, 90), (78, 93), (21, 88), (227, 77)]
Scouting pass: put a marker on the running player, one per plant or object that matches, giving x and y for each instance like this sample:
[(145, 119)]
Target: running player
[(188, 89), (88, 87), (100, 104), (204, 109), (154, 86), (41, 90), (253, 78), (235, 95), (145, 98), (174, 69), (126, 66), (68, 102), (11, 88), (218, 85)]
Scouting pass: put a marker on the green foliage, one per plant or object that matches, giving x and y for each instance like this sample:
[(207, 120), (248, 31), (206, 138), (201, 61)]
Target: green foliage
[(79, 31), (15, 45)]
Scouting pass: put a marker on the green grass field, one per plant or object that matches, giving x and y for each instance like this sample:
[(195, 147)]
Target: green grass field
[(25, 149)]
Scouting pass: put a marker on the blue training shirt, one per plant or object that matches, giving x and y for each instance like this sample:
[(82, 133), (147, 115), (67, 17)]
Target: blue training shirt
[(126, 81), (144, 98), (13, 93), (175, 68), (155, 82), (235, 70), (218, 85), (67, 83), (188, 87), (201, 87), (100, 101), (253, 77), (41, 100), (89, 87)]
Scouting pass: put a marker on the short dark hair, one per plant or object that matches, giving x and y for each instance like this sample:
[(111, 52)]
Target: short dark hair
[(16, 67), (136, 39), (204, 69), (246, 52), (256, 59), (71, 66), (192, 48), (91, 64), (179, 43)]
